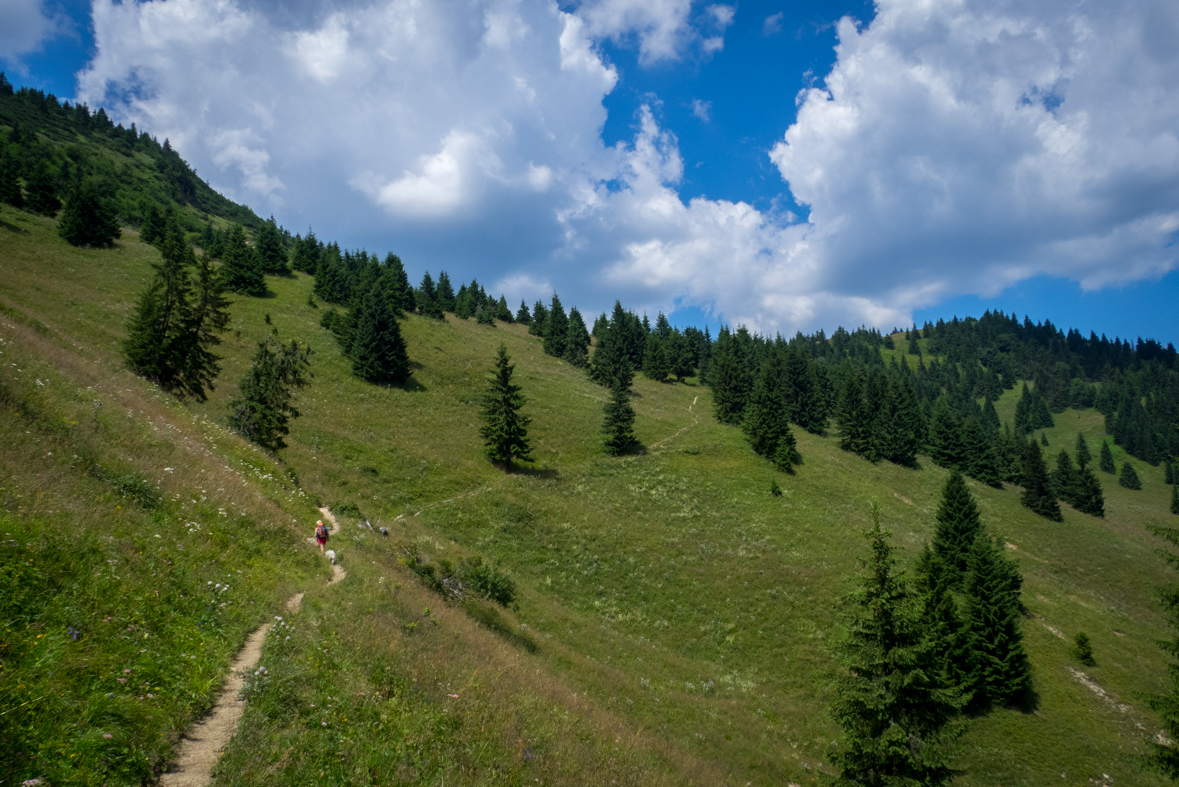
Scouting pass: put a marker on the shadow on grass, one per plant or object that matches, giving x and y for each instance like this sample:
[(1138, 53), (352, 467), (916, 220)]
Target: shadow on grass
[(13, 228), (549, 473), (411, 385)]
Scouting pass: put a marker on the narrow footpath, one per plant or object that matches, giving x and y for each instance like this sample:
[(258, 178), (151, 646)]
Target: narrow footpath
[(201, 746)]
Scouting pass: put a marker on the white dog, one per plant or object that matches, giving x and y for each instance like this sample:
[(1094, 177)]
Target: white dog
[(331, 556)]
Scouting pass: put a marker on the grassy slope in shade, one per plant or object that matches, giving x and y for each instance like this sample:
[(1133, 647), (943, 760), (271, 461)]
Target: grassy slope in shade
[(683, 615)]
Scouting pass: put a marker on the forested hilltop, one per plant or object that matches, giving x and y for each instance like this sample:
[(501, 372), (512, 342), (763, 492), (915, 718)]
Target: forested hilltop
[(579, 549)]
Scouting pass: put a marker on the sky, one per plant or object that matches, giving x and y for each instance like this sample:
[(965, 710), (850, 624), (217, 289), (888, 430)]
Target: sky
[(783, 166)]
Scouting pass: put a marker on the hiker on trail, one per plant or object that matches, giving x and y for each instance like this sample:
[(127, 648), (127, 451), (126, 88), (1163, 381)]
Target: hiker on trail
[(321, 534)]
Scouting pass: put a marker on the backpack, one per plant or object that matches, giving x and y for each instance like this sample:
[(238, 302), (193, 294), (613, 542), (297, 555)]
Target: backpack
[(321, 531)]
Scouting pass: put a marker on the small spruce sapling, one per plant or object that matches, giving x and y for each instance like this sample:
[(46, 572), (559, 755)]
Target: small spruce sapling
[(1129, 478), (504, 432), (1106, 463), (1083, 650)]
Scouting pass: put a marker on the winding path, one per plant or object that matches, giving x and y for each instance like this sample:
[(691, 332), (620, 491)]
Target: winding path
[(201, 746)]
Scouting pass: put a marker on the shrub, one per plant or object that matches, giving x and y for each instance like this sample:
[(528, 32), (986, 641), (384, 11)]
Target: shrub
[(775, 490), (1083, 650)]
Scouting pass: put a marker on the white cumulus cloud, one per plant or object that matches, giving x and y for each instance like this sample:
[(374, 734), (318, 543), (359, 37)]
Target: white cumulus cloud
[(24, 25)]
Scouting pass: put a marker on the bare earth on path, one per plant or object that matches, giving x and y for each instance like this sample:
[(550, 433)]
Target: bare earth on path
[(202, 743)]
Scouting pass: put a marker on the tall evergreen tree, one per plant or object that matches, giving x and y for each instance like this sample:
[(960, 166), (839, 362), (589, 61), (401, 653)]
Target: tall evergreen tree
[(10, 191), (401, 295), (504, 314), (1083, 455), (540, 318), (42, 191), (177, 320), (619, 417), (982, 463), (556, 328), (1090, 499), (522, 314), (1037, 488), (1065, 479), (729, 380), (577, 340), (1000, 672), (941, 617), (263, 409), (655, 364), (891, 701), (377, 348), (90, 218), (958, 527), (504, 432), (445, 292), (945, 436), (1163, 757), (1128, 478), (1106, 463), (271, 250), (1175, 498), (241, 267), (765, 420), (427, 298)]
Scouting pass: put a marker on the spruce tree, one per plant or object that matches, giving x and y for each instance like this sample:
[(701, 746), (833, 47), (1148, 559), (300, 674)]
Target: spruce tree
[(655, 364), (89, 218), (619, 417), (577, 340), (42, 191), (504, 314), (891, 701), (556, 328), (504, 432), (999, 668), (1044, 439), (263, 409), (941, 617), (10, 191), (177, 320), (1023, 413), (377, 348), (1090, 498), (427, 298), (765, 420), (1175, 499), (241, 267), (1083, 455), (982, 463), (853, 417), (445, 290), (1168, 472), (1106, 463), (958, 526), (540, 317), (946, 447), (1163, 757), (1065, 479), (271, 250), (729, 380), (1128, 478), (522, 315), (1037, 488), (152, 229)]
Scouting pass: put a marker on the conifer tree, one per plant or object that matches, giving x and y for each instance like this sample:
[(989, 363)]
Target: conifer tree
[(504, 432), (765, 420), (1175, 499), (271, 250), (1044, 439), (152, 229), (445, 290), (990, 419), (1129, 478), (1023, 414), (89, 218), (958, 527), (241, 267), (504, 314), (577, 340), (891, 701), (427, 298), (42, 191), (941, 617), (556, 328), (1083, 455), (522, 315), (945, 436), (1106, 463), (1163, 757), (982, 463), (914, 347), (999, 668), (401, 295), (1065, 479), (1090, 499), (1168, 472), (10, 191), (655, 364), (729, 380), (177, 320), (540, 317), (377, 348), (1037, 489), (619, 417), (263, 409), (854, 418)]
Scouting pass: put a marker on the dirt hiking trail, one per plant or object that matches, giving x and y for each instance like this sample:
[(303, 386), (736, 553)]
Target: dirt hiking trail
[(201, 746)]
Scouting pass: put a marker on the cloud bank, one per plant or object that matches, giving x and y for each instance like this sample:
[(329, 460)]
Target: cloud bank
[(957, 147)]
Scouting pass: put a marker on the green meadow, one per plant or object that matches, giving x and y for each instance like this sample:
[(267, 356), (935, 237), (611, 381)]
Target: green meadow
[(674, 622)]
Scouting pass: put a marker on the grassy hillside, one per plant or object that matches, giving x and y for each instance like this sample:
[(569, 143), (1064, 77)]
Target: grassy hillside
[(674, 620)]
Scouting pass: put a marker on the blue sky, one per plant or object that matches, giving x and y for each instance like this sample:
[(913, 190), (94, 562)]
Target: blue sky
[(787, 166)]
